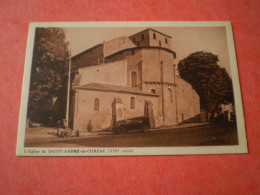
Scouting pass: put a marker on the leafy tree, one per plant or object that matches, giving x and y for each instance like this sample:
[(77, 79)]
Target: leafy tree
[(211, 82), (48, 73)]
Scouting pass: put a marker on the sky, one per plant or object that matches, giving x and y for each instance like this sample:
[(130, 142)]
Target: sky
[(185, 40)]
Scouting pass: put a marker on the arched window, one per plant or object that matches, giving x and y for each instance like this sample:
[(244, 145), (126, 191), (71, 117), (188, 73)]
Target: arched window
[(96, 104), (169, 95), (132, 103), (133, 79), (153, 91), (154, 36)]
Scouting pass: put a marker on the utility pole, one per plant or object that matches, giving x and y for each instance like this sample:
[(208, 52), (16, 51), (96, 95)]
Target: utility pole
[(68, 92), (103, 59), (162, 82), (174, 73)]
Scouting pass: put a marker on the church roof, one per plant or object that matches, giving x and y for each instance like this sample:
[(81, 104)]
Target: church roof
[(114, 88), (151, 30), (142, 47)]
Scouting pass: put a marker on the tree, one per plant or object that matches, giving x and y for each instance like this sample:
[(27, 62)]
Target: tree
[(48, 72), (211, 82)]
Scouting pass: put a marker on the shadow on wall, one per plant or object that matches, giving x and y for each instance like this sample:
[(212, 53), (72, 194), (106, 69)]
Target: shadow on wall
[(217, 117), (195, 119)]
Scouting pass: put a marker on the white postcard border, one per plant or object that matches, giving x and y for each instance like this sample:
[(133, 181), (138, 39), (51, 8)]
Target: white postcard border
[(27, 151)]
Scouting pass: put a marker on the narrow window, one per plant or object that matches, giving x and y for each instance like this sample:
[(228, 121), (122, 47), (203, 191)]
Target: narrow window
[(133, 52), (142, 37), (134, 39), (160, 43), (133, 79), (96, 104), (169, 95), (166, 41), (132, 103), (138, 43), (153, 91), (154, 36)]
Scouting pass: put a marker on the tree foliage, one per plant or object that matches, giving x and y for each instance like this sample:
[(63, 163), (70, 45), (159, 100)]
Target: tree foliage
[(49, 68), (211, 82)]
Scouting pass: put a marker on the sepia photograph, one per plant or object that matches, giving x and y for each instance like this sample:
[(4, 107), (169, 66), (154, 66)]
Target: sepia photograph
[(130, 88)]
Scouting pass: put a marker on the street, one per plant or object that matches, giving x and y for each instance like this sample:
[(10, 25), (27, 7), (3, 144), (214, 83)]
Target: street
[(207, 135)]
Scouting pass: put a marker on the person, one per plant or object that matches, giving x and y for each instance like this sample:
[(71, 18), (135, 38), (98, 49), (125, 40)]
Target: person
[(77, 133), (89, 126), (58, 128), (61, 128)]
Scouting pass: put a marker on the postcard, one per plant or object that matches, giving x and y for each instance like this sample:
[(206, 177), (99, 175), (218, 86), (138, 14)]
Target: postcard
[(130, 88)]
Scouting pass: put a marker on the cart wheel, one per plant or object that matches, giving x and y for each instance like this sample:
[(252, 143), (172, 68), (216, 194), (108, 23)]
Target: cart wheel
[(122, 130)]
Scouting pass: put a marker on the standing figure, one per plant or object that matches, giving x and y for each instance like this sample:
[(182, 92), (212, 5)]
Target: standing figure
[(61, 128)]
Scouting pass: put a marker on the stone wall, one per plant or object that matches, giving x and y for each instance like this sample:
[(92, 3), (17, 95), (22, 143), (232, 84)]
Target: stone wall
[(116, 45), (141, 39), (159, 37), (155, 60), (188, 100), (155, 71), (145, 38), (90, 57), (134, 59), (114, 73), (84, 108)]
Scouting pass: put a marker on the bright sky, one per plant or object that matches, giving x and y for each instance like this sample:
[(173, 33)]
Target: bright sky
[(185, 40)]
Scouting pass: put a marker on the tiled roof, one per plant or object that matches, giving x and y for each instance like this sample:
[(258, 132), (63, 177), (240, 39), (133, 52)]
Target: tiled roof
[(113, 88), (89, 49), (160, 83), (152, 30)]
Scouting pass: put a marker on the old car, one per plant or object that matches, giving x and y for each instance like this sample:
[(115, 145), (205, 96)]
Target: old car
[(141, 124)]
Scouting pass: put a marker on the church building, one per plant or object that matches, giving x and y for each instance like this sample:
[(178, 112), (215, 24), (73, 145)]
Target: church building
[(119, 79)]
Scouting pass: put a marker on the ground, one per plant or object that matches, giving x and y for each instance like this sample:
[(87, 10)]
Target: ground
[(189, 135)]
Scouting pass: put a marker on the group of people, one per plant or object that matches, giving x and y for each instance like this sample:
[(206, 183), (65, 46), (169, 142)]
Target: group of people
[(62, 130)]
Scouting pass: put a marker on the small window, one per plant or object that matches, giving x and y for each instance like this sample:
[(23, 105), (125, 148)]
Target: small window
[(138, 43), (133, 79), (133, 52), (134, 39), (132, 103), (169, 95), (96, 104), (153, 91), (154, 36), (142, 37), (166, 41), (160, 43)]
